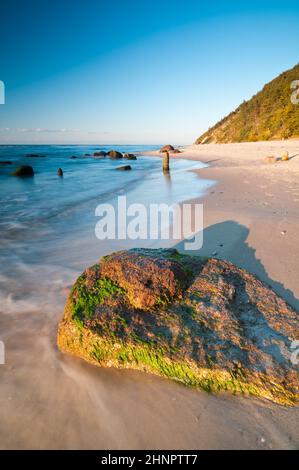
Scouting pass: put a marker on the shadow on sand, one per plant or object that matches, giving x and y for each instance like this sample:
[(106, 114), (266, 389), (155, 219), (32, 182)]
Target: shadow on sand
[(228, 239)]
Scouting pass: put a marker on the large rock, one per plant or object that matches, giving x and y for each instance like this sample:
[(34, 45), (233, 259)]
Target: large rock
[(114, 154), (166, 148), (25, 170), (202, 322)]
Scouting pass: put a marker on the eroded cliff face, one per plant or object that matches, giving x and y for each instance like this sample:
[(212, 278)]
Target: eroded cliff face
[(202, 322)]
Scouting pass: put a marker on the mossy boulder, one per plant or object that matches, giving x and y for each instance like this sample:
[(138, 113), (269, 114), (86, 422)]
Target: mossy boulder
[(24, 171), (202, 322)]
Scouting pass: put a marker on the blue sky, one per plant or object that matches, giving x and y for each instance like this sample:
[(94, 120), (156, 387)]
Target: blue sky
[(135, 71)]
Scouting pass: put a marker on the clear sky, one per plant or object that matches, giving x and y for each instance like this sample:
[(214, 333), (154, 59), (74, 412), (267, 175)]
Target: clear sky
[(126, 71)]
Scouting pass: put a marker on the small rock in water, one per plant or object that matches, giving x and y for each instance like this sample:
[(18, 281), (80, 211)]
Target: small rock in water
[(23, 171), (101, 153), (130, 156), (59, 172), (124, 168), (166, 148)]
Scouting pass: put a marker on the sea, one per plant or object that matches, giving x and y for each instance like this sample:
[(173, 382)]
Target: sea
[(47, 227)]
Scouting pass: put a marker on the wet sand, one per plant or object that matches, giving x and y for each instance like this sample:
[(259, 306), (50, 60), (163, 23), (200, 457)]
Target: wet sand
[(58, 402), (49, 400)]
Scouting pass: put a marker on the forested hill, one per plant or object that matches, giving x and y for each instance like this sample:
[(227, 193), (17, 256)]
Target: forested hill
[(268, 115)]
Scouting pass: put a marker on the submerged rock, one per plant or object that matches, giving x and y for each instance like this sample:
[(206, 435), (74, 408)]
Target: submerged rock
[(25, 170), (124, 168), (114, 154), (34, 155), (202, 322)]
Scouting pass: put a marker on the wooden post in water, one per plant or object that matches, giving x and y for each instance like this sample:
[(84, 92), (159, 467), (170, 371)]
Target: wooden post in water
[(166, 162)]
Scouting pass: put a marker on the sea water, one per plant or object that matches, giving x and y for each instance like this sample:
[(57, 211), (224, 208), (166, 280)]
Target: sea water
[(47, 227)]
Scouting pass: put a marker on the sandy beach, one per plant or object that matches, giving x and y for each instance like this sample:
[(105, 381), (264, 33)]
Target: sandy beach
[(251, 219), (251, 216)]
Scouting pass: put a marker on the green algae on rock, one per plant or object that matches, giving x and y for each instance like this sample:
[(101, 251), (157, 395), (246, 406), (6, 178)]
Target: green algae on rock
[(202, 322)]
